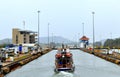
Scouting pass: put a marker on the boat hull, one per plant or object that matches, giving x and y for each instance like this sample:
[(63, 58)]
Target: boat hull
[(65, 69)]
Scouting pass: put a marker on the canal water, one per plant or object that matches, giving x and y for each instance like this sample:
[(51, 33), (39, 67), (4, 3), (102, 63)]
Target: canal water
[(86, 65)]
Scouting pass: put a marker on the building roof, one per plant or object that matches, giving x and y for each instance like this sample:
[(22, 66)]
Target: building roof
[(84, 38), (28, 31)]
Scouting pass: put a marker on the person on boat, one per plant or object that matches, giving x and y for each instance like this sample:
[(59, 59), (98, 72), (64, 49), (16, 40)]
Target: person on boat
[(60, 61), (64, 51)]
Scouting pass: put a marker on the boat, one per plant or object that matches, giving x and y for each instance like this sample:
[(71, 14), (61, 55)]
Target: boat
[(64, 61)]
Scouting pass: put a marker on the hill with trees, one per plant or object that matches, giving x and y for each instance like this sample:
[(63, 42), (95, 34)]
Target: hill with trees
[(112, 43)]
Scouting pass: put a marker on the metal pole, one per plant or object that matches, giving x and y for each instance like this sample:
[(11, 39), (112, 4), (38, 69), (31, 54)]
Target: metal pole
[(111, 40), (111, 35), (52, 37), (48, 35), (78, 40), (83, 28), (24, 25), (38, 28), (93, 33)]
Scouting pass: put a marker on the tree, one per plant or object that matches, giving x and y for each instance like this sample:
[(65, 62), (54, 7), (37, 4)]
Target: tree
[(112, 43)]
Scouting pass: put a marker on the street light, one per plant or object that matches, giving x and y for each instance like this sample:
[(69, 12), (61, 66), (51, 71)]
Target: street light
[(38, 28), (52, 37), (83, 28), (78, 39), (48, 35), (93, 32)]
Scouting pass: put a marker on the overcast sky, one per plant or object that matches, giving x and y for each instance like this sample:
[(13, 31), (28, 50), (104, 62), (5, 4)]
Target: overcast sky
[(65, 17)]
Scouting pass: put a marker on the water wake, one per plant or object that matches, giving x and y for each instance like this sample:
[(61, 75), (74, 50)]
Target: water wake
[(63, 74)]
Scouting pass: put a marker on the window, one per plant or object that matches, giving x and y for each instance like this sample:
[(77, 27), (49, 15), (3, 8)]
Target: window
[(16, 39)]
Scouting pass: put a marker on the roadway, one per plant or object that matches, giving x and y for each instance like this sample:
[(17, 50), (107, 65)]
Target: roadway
[(87, 65)]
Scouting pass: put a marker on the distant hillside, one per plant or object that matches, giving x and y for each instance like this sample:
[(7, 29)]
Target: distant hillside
[(112, 43), (6, 41), (56, 39)]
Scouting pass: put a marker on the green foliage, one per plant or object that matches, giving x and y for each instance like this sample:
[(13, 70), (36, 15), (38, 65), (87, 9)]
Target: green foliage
[(2, 45), (112, 43)]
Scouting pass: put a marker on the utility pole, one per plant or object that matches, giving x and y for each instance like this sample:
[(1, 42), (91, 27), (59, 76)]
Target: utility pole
[(83, 28), (38, 28), (93, 33), (24, 25), (52, 37), (48, 35)]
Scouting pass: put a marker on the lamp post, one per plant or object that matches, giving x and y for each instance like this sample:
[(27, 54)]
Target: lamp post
[(83, 28), (93, 33), (48, 35), (52, 37), (38, 28), (111, 46), (78, 39)]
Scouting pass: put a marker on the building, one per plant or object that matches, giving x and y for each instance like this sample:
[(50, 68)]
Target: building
[(84, 41), (23, 36)]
